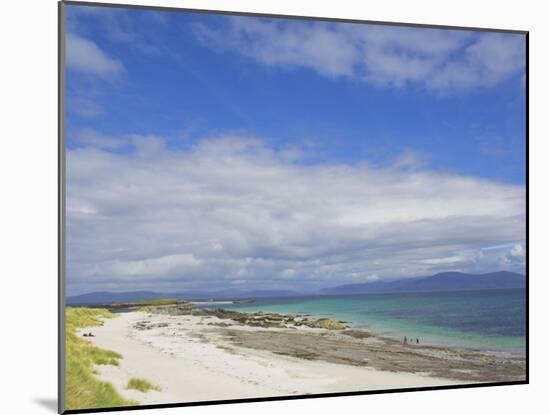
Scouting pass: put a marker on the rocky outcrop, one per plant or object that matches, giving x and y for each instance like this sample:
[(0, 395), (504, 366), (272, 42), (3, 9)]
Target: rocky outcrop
[(257, 319), (325, 323), (147, 325)]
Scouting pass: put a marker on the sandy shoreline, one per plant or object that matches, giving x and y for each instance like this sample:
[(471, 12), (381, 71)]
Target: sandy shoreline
[(198, 358)]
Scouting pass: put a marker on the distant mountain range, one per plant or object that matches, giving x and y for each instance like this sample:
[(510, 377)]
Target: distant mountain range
[(445, 281), (113, 297)]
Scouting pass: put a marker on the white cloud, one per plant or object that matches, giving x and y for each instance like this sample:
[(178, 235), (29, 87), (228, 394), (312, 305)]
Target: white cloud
[(312, 46), (438, 60), (123, 27), (90, 137), (513, 258), (160, 266), (411, 159), (231, 211), (83, 55), (518, 251), (491, 59), (85, 107), (510, 256)]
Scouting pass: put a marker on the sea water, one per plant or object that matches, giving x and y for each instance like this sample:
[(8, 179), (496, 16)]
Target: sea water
[(492, 320)]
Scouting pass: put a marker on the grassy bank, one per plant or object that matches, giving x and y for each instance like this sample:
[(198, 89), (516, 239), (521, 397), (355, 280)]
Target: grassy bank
[(148, 306), (156, 301), (83, 389)]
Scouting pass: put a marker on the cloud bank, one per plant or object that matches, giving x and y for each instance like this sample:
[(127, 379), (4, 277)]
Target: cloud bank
[(83, 55), (438, 60), (234, 212)]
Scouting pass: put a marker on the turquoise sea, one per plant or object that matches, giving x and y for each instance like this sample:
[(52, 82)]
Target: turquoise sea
[(486, 320)]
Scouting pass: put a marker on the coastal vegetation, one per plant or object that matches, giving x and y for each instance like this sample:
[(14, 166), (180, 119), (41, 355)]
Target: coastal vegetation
[(155, 301), (141, 385), (149, 306), (142, 305), (82, 388)]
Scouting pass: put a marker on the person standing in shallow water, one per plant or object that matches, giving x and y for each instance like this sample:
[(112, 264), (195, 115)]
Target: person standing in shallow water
[(417, 342), (405, 340)]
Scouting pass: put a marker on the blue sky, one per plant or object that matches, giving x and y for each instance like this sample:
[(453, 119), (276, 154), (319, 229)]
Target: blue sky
[(303, 96)]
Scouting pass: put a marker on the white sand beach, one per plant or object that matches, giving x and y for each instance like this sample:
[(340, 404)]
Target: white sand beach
[(190, 361)]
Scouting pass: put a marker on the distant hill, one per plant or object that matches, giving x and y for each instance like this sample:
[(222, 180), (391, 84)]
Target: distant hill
[(269, 293), (445, 281), (110, 297), (113, 297)]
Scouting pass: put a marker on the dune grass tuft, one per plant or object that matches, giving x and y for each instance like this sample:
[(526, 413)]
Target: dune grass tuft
[(141, 385), (82, 389)]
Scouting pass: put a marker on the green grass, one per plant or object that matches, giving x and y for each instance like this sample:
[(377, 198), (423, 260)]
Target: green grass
[(155, 301), (161, 301), (148, 306), (141, 385), (82, 389)]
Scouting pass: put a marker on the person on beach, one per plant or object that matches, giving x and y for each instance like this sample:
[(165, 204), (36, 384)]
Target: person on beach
[(405, 340), (417, 342)]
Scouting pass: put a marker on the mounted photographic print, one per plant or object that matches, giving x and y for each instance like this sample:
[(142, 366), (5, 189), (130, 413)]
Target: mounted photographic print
[(258, 207)]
